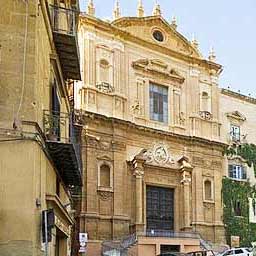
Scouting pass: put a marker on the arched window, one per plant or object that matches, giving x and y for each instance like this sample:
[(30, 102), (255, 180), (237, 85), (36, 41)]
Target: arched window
[(205, 102), (104, 71), (208, 190), (105, 176)]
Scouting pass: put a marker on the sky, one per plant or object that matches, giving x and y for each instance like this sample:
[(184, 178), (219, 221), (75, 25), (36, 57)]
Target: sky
[(227, 25)]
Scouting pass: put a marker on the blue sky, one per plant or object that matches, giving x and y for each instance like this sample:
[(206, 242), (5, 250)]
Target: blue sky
[(227, 25)]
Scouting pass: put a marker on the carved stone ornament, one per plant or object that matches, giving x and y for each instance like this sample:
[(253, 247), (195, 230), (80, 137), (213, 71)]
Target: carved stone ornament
[(159, 155), (236, 115), (138, 172), (105, 145), (208, 205), (105, 195), (206, 115), (186, 178), (105, 87), (182, 118), (136, 107), (158, 67)]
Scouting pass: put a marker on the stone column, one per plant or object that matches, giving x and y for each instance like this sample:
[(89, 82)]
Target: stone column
[(138, 172), (186, 170)]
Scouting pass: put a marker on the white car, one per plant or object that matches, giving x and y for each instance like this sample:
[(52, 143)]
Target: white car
[(238, 252)]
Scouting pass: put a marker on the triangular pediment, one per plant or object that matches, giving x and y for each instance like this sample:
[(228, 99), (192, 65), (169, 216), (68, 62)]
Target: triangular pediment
[(236, 115), (144, 27)]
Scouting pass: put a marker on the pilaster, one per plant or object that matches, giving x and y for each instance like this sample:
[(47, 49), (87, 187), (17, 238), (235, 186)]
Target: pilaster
[(185, 171), (138, 172)]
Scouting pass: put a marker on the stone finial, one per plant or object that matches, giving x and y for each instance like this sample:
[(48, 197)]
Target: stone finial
[(174, 22), (117, 12), (157, 9), (140, 9), (90, 8), (212, 55), (194, 42)]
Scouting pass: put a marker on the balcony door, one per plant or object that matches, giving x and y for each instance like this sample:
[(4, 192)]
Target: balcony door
[(55, 111), (160, 208)]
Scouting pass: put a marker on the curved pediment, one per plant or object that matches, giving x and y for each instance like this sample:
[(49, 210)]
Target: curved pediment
[(143, 27), (158, 67)]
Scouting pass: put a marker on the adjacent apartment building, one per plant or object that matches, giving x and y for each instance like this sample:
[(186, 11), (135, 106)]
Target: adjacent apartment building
[(239, 193), (39, 163), (152, 149)]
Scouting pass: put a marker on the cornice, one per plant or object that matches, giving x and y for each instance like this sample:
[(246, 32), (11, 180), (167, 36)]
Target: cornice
[(122, 34), (129, 21), (140, 128), (159, 68), (56, 201), (239, 96)]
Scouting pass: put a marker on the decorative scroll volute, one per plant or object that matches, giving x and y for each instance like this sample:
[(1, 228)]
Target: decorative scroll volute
[(186, 170)]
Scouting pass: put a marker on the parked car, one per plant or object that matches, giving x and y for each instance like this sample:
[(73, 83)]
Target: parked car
[(172, 254), (196, 253), (238, 252), (201, 253)]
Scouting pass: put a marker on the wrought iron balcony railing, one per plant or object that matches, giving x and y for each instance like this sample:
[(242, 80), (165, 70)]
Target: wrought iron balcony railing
[(56, 126), (63, 20), (172, 234), (63, 144), (64, 27)]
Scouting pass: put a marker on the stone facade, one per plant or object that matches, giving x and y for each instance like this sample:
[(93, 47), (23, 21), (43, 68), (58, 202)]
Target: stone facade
[(182, 153), (238, 110), (31, 182)]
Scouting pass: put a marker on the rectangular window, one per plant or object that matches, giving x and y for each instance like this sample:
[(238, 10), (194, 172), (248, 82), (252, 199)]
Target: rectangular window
[(237, 172), (235, 132), (158, 103)]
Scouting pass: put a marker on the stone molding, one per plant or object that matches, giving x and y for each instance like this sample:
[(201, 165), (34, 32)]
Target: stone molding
[(105, 195), (238, 96), (87, 20), (123, 124), (114, 44), (158, 67), (237, 116)]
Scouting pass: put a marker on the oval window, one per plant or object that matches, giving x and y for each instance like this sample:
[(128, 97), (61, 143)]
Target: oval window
[(158, 35)]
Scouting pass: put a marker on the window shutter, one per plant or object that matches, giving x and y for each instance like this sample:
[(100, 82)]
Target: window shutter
[(230, 170), (244, 172)]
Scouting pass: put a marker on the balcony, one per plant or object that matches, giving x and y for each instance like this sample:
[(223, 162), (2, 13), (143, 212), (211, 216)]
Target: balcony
[(63, 146), (64, 29)]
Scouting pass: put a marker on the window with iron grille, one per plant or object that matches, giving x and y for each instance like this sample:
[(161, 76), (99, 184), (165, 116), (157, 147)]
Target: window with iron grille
[(235, 133), (158, 103), (237, 172), (160, 208)]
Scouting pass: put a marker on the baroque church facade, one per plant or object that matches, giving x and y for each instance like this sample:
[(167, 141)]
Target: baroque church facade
[(152, 149)]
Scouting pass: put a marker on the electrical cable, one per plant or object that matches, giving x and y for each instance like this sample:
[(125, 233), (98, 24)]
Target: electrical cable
[(24, 60)]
